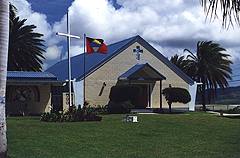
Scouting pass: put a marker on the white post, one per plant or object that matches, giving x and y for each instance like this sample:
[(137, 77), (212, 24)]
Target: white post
[(193, 93), (69, 36)]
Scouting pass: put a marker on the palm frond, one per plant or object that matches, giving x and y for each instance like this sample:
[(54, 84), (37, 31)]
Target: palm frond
[(230, 10), (26, 47)]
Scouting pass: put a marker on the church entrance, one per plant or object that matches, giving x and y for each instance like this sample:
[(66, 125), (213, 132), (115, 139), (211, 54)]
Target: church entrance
[(144, 76), (142, 100)]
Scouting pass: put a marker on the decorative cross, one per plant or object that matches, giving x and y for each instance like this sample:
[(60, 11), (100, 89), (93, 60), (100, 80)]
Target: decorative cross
[(137, 51), (69, 36)]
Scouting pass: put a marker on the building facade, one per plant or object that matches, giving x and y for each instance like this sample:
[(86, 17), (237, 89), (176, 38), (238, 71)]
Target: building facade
[(132, 61), (31, 93)]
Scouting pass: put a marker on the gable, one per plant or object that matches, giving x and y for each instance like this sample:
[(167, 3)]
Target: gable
[(142, 71), (165, 60)]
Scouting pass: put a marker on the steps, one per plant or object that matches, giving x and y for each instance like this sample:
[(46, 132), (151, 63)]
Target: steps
[(142, 110)]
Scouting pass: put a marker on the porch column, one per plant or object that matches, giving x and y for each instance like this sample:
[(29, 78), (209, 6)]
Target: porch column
[(149, 96), (161, 95)]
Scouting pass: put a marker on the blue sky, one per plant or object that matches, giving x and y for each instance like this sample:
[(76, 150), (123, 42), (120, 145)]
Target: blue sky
[(170, 26), (54, 9)]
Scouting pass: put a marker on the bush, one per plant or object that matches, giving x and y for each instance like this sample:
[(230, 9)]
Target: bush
[(99, 109), (235, 110), (72, 115), (174, 94), (119, 107)]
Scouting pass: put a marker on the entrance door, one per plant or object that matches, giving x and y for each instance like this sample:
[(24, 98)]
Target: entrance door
[(141, 101), (57, 101)]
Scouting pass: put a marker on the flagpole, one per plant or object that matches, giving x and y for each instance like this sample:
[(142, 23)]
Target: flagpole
[(69, 61), (84, 69)]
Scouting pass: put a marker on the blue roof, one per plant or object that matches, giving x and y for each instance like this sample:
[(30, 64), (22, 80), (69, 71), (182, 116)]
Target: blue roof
[(96, 60), (30, 75), (92, 61), (137, 68)]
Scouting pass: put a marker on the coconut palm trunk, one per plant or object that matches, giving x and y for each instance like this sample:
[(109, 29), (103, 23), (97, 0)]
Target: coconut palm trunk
[(4, 35)]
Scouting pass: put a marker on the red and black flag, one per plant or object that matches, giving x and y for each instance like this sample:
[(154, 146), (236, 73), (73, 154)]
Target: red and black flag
[(95, 45)]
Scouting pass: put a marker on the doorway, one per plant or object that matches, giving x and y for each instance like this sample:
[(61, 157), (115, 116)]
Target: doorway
[(143, 98)]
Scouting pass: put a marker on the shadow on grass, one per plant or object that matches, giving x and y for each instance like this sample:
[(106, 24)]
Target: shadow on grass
[(166, 111), (232, 117)]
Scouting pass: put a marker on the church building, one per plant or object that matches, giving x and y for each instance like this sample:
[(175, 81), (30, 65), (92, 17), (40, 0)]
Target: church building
[(132, 61)]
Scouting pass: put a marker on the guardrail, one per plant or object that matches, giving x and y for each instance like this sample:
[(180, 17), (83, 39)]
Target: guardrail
[(217, 107)]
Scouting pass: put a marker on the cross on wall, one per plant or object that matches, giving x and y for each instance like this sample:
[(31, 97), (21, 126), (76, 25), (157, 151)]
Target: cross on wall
[(138, 52)]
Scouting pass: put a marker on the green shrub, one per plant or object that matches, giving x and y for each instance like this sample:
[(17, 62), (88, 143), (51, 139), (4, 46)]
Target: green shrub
[(98, 109), (101, 109), (119, 107), (72, 115), (235, 110), (175, 94)]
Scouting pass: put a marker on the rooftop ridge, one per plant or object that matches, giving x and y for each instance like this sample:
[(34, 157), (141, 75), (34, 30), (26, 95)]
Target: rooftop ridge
[(81, 54)]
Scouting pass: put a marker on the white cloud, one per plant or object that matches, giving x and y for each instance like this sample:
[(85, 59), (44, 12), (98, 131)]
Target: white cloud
[(235, 52), (53, 52), (24, 11), (170, 26), (75, 50)]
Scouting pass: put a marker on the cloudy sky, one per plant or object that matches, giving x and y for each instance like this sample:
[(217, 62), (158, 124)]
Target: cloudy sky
[(169, 26)]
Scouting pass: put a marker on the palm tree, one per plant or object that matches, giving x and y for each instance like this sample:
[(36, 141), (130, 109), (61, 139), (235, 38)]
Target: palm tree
[(179, 61), (230, 10), (182, 63), (4, 33), (210, 66), (25, 46)]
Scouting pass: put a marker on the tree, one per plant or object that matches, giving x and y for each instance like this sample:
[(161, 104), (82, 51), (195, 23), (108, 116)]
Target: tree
[(174, 94), (230, 10), (4, 34), (25, 46), (179, 61), (210, 66), (182, 64)]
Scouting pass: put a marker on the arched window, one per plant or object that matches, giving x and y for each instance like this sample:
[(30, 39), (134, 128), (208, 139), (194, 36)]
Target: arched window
[(23, 93)]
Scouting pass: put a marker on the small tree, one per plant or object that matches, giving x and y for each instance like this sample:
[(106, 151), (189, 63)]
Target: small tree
[(175, 94)]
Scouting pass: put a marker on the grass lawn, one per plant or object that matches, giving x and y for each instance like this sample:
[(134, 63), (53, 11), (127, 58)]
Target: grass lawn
[(166, 136)]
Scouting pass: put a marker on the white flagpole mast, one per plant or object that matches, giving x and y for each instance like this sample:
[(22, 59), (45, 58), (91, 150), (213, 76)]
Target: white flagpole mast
[(84, 69), (69, 36)]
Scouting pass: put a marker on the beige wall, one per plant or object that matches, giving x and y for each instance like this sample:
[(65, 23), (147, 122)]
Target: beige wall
[(110, 72), (65, 101), (33, 106)]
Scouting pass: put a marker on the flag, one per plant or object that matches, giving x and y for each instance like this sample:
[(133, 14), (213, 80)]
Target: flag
[(95, 45)]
